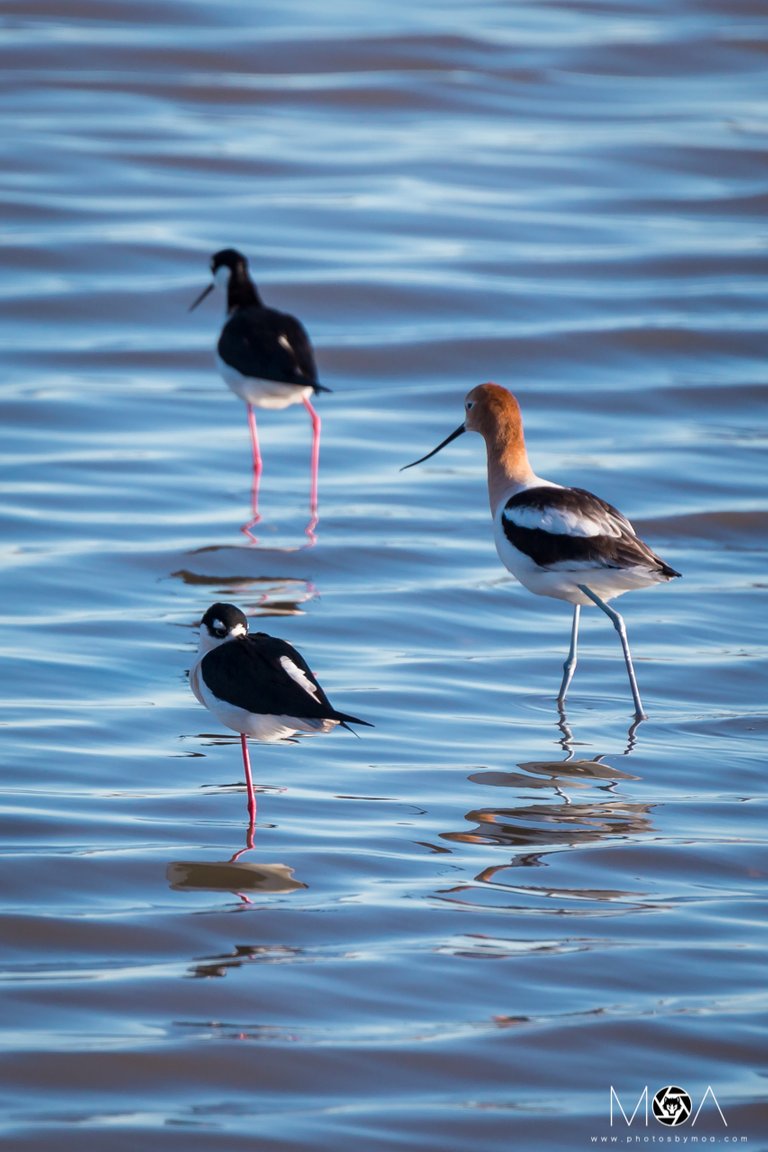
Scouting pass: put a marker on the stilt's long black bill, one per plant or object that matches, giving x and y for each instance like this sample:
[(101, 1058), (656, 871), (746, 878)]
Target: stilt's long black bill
[(202, 296), (434, 451)]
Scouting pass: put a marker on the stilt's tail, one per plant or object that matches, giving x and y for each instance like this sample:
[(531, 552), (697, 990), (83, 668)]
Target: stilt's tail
[(345, 721)]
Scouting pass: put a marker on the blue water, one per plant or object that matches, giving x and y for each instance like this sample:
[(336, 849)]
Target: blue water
[(460, 930)]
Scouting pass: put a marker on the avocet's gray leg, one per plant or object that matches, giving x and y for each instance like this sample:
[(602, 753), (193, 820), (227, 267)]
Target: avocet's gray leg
[(570, 664), (618, 624)]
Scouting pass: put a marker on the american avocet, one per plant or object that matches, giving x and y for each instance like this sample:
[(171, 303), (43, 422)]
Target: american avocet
[(557, 541), (266, 358), (257, 685)]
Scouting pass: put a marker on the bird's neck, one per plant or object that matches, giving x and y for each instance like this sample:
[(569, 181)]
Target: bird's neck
[(509, 470), (241, 291), (208, 643)]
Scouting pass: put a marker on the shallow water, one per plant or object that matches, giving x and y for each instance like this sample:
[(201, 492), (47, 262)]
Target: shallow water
[(460, 930)]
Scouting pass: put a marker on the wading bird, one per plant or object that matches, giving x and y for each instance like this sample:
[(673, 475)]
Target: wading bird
[(557, 541), (257, 685), (266, 358)]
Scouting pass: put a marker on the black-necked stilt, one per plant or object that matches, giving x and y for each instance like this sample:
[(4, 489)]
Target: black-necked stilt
[(257, 685), (557, 541), (266, 358)]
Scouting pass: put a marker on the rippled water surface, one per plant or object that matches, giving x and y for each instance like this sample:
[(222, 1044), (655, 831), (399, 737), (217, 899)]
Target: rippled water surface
[(458, 931)]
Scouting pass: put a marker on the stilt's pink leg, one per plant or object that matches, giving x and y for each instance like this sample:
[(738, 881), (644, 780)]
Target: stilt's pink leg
[(254, 442), (248, 844), (248, 782), (248, 839), (256, 452), (315, 468)]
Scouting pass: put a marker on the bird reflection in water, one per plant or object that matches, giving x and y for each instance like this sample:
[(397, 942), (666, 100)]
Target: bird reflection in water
[(260, 595), (532, 831), (554, 825), (567, 741), (219, 966), (243, 879)]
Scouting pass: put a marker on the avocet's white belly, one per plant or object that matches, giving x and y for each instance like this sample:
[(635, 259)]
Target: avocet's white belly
[(262, 393), (561, 580)]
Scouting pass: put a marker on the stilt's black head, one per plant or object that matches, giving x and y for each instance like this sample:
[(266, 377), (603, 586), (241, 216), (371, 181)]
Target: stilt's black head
[(229, 258), (229, 269), (224, 620)]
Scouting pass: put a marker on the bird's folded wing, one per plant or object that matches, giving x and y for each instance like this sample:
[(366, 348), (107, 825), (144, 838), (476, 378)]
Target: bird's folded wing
[(570, 526), (269, 345), (264, 676)]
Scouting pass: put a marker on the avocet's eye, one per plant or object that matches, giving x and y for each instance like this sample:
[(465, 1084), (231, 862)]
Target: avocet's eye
[(469, 404)]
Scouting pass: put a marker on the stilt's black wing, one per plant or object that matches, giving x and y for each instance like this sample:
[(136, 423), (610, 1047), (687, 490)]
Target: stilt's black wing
[(267, 676), (268, 345)]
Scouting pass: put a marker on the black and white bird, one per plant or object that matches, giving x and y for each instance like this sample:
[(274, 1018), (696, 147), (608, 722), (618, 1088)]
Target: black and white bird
[(557, 541), (266, 358), (258, 685)]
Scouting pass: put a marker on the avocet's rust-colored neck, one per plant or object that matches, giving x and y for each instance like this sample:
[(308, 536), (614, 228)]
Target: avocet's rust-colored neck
[(495, 414)]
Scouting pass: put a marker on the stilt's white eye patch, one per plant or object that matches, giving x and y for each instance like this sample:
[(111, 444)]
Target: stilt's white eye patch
[(221, 275), (217, 628), (300, 676), (284, 342)]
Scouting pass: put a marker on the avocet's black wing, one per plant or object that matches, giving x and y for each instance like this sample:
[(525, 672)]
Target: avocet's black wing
[(564, 527)]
